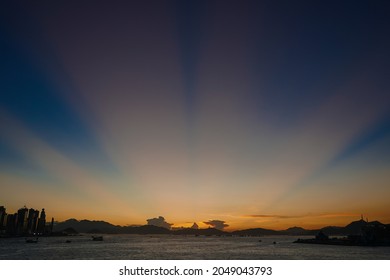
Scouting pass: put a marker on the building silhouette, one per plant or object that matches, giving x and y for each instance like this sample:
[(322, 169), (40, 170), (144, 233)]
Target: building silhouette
[(32, 221), (24, 222), (10, 228), (42, 222), (21, 221), (3, 219)]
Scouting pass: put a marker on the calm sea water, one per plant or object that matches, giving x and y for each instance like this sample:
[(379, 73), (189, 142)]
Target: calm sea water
[(117, 247)]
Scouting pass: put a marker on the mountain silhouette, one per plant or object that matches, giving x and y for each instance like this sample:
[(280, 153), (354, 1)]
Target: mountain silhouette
[(87, 226), (256, 232), (298, 231)]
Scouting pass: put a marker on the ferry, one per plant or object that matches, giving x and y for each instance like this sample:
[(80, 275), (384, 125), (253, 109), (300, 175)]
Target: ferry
[(97, 238)]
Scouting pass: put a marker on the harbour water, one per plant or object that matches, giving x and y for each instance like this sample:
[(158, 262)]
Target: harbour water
[(149, 247)]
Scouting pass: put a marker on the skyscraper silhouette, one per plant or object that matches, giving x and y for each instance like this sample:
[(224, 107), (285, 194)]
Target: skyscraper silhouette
[(42, 222)]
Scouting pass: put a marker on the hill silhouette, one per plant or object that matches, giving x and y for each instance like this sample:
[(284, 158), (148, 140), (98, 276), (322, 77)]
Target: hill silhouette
[(87, 226), (256, 232), (354, 228)]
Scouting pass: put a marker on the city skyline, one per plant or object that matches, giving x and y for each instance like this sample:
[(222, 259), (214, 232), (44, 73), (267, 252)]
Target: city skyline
[(257, 114), (24, 222)]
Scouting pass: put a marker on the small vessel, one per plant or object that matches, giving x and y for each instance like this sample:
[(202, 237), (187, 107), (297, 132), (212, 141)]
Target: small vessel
[(68, 241), (30, 240), (97, 238)]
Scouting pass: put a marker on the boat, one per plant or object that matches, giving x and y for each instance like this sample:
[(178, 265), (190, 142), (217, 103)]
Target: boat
[(97, 238), (29, 240)]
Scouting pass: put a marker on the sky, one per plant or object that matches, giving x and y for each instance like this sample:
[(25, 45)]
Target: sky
[(240, 114)]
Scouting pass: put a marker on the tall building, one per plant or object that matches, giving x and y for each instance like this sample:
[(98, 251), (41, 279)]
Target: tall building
[(32, 221), (42, 223), (11, 224), (4, 227), (3, 217), (51, 225), (21, 225)]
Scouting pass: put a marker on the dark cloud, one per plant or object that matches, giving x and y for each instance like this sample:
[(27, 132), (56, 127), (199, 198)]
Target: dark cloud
[(159, 222), (217, 224)]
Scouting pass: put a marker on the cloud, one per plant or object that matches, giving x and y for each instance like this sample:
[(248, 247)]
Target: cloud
[(159, 222), (217, 224)]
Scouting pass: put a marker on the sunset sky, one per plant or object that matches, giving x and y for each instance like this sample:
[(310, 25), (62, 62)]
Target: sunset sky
[(258, 113)]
